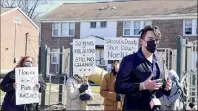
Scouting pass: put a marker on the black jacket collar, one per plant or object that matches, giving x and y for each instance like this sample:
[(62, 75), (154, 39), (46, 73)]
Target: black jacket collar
[(142, 57)]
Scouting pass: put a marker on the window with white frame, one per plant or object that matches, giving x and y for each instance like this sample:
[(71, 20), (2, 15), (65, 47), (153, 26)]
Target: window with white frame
[(92, 24), (100, 57), (137, 27), (55, 29), (102, 61), (71, 28), (190, 27), (55, 53), (64, 29), (103, 24), (132, 28), (127, 28), (146, 23)]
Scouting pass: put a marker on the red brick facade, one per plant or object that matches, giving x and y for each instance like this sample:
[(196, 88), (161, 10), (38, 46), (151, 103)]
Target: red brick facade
[(57, 42), (170, 29)]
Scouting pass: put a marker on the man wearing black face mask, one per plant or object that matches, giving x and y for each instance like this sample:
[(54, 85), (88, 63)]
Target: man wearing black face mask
[(141, 77), (111, 99)]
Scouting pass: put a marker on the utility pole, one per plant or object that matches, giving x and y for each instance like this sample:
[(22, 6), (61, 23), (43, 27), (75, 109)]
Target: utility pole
[(17, 21), (15, 44), (26, 37)]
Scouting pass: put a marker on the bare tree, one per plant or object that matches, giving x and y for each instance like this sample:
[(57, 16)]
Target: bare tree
[(28, 6)]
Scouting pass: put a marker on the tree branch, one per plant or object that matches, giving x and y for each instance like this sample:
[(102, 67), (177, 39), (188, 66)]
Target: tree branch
[(35, 16), (7, 3), (34, 7), (20, 3), (13, 3), (28, 6)]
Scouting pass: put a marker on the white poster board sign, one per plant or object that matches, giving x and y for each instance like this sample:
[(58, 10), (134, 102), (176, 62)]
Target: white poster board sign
[(26, 90), (117, 48), (84, 56)]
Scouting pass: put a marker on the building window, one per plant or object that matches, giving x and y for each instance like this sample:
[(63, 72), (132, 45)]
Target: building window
[(55, 56), (55, 28), (103, 24), (92, 24), (146, 23), (127, 28), (190, 27), (64, 29), (137, 27), (71, 28), (54, 60), (132, 28), (100, 57)]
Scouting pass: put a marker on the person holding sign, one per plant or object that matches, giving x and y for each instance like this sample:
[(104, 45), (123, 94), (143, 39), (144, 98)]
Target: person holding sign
[(141, 76), (78, 93), (111, 99), (9, 85)]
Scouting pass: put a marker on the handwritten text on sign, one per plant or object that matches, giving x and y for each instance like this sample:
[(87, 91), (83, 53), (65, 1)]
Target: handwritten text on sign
[(26, 90), (83, 56), (117, 48)]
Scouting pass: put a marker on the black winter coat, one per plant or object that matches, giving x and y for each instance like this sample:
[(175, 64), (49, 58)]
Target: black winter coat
[(9, 103), (132, 72)]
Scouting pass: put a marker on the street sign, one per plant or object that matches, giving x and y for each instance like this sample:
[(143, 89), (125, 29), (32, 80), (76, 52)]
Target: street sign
[(17, 20)]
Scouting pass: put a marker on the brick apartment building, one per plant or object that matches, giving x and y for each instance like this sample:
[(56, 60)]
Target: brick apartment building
[(114, 19)]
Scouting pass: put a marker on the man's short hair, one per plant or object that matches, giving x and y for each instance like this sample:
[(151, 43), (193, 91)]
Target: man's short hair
[(147, 28)]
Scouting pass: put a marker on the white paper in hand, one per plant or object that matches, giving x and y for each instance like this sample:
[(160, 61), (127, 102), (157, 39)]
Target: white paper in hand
[(154, 102)]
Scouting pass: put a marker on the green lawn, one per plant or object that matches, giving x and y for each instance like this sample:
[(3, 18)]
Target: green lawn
[(95, 89)]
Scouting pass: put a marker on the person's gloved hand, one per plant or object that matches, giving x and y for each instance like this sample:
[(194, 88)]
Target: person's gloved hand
[(84, 97), (118, 97), (83, 87)]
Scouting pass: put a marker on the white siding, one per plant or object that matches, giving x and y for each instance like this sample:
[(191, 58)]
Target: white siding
[(109, 31)]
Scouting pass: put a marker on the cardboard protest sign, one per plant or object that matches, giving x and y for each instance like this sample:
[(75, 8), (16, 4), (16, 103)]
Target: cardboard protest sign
[(83, 56), (26, 90), (117, 48)]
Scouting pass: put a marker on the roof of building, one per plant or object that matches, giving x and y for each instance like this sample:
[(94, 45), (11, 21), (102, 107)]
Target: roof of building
[(3, 10), (104, 10)]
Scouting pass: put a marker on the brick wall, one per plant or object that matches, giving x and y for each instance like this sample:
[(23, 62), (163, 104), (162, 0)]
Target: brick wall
[(170, 30), (57, 42), (119, 28)]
